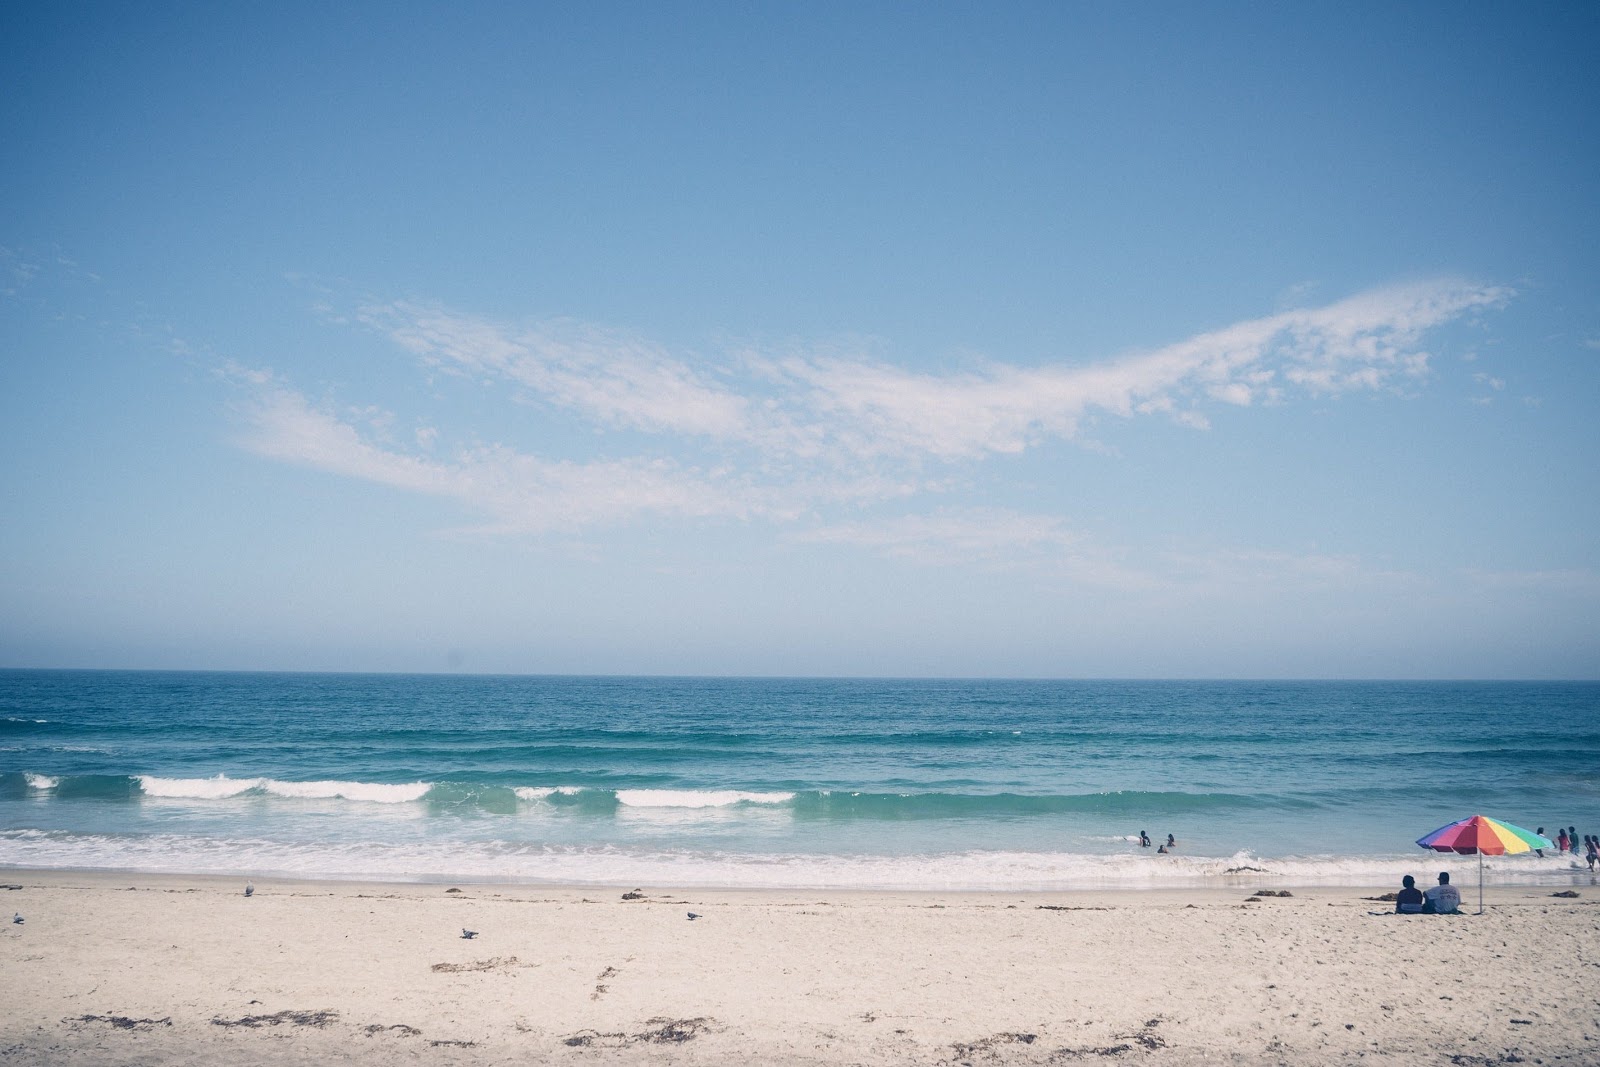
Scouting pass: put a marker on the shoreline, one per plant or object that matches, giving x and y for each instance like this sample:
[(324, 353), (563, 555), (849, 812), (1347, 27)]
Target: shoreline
[(1292, 872), (167, 968)]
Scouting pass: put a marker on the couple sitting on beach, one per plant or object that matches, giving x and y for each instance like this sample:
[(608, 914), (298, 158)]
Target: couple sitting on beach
[(1442, 899)]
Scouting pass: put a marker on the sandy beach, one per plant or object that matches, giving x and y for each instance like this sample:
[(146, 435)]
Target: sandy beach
[(142, 969)]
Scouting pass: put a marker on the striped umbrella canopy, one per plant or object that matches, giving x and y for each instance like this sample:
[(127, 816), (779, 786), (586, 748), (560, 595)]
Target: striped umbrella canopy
[(1484, 836)]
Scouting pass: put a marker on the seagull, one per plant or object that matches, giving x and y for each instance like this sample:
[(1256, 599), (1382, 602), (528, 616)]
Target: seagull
[(16, 916), (468, 934), (693, 915), (249, 889)]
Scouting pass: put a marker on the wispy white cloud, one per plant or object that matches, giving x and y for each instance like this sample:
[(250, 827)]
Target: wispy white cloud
[(810, 407), (790, 438), (607, 375), (520, 493), (1365, 342), (516, 493)]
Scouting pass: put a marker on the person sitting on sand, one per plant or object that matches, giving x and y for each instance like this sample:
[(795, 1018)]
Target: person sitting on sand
[(1442, 899), (1409, 900)]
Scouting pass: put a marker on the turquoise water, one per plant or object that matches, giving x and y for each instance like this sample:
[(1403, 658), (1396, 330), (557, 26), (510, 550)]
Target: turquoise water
[(762, 782)]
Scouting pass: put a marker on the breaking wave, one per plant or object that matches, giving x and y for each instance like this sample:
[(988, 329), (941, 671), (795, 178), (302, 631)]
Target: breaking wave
[(806, 804)]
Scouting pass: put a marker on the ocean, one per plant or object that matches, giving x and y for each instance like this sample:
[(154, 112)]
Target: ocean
[(796, 783)]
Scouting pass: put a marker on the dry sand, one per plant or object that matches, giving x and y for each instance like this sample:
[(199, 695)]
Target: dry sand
[(142, 969)]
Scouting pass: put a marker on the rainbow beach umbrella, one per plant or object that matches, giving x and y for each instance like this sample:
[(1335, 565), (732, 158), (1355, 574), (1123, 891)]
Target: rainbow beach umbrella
[(1485, 836)]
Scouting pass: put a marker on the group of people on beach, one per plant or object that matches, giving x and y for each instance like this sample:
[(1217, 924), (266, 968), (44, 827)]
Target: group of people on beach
[(1170, 846), (1567, 841), (1442, 899)]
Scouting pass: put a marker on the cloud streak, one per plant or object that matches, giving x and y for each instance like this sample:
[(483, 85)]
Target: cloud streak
[(520, 493), (1363, 343), (609, 376), (794, 438)]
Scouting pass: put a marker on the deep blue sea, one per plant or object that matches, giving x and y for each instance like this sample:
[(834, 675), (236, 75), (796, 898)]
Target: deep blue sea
[(977, 785)]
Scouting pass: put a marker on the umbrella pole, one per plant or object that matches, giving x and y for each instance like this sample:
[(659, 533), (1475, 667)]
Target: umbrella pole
[(1480, 881)]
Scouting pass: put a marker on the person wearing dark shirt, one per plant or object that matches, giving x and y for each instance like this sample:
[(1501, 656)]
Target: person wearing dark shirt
[(1409, 900)]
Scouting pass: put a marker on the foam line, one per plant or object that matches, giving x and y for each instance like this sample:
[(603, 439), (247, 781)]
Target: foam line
[(696, 798)]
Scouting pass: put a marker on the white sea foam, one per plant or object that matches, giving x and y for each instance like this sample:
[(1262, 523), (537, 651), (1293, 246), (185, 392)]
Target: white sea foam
[(222, 787), (528, 792), (439, 859), (372, 792), (196, 788), (41, 782), (696, 798)]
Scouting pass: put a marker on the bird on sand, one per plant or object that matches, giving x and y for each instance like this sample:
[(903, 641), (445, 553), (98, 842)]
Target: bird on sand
[(468, 934), (16, 916), (249, 889), (693, 915)]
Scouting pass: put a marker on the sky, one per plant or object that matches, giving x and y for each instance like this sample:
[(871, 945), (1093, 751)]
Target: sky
[(1022, 340)]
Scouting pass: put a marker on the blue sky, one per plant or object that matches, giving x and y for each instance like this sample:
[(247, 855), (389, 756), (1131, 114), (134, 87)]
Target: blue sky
[(1025, 340)]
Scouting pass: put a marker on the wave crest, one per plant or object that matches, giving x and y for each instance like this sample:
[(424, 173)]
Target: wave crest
[(222, 787), (696, 798)]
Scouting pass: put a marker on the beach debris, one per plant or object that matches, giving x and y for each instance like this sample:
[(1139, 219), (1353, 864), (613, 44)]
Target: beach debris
[(1246, 870), (404, 1030), (664, 1032), (1145, 1037), (1273, 893), (451, 1043), (600, 987), (9, 886), (452, 889), (317, 1019), (123, 1022), (1569, 893), (498, 963), (249, 889), (966, 1050), (633, 894), (693, 915), (468, 934)]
